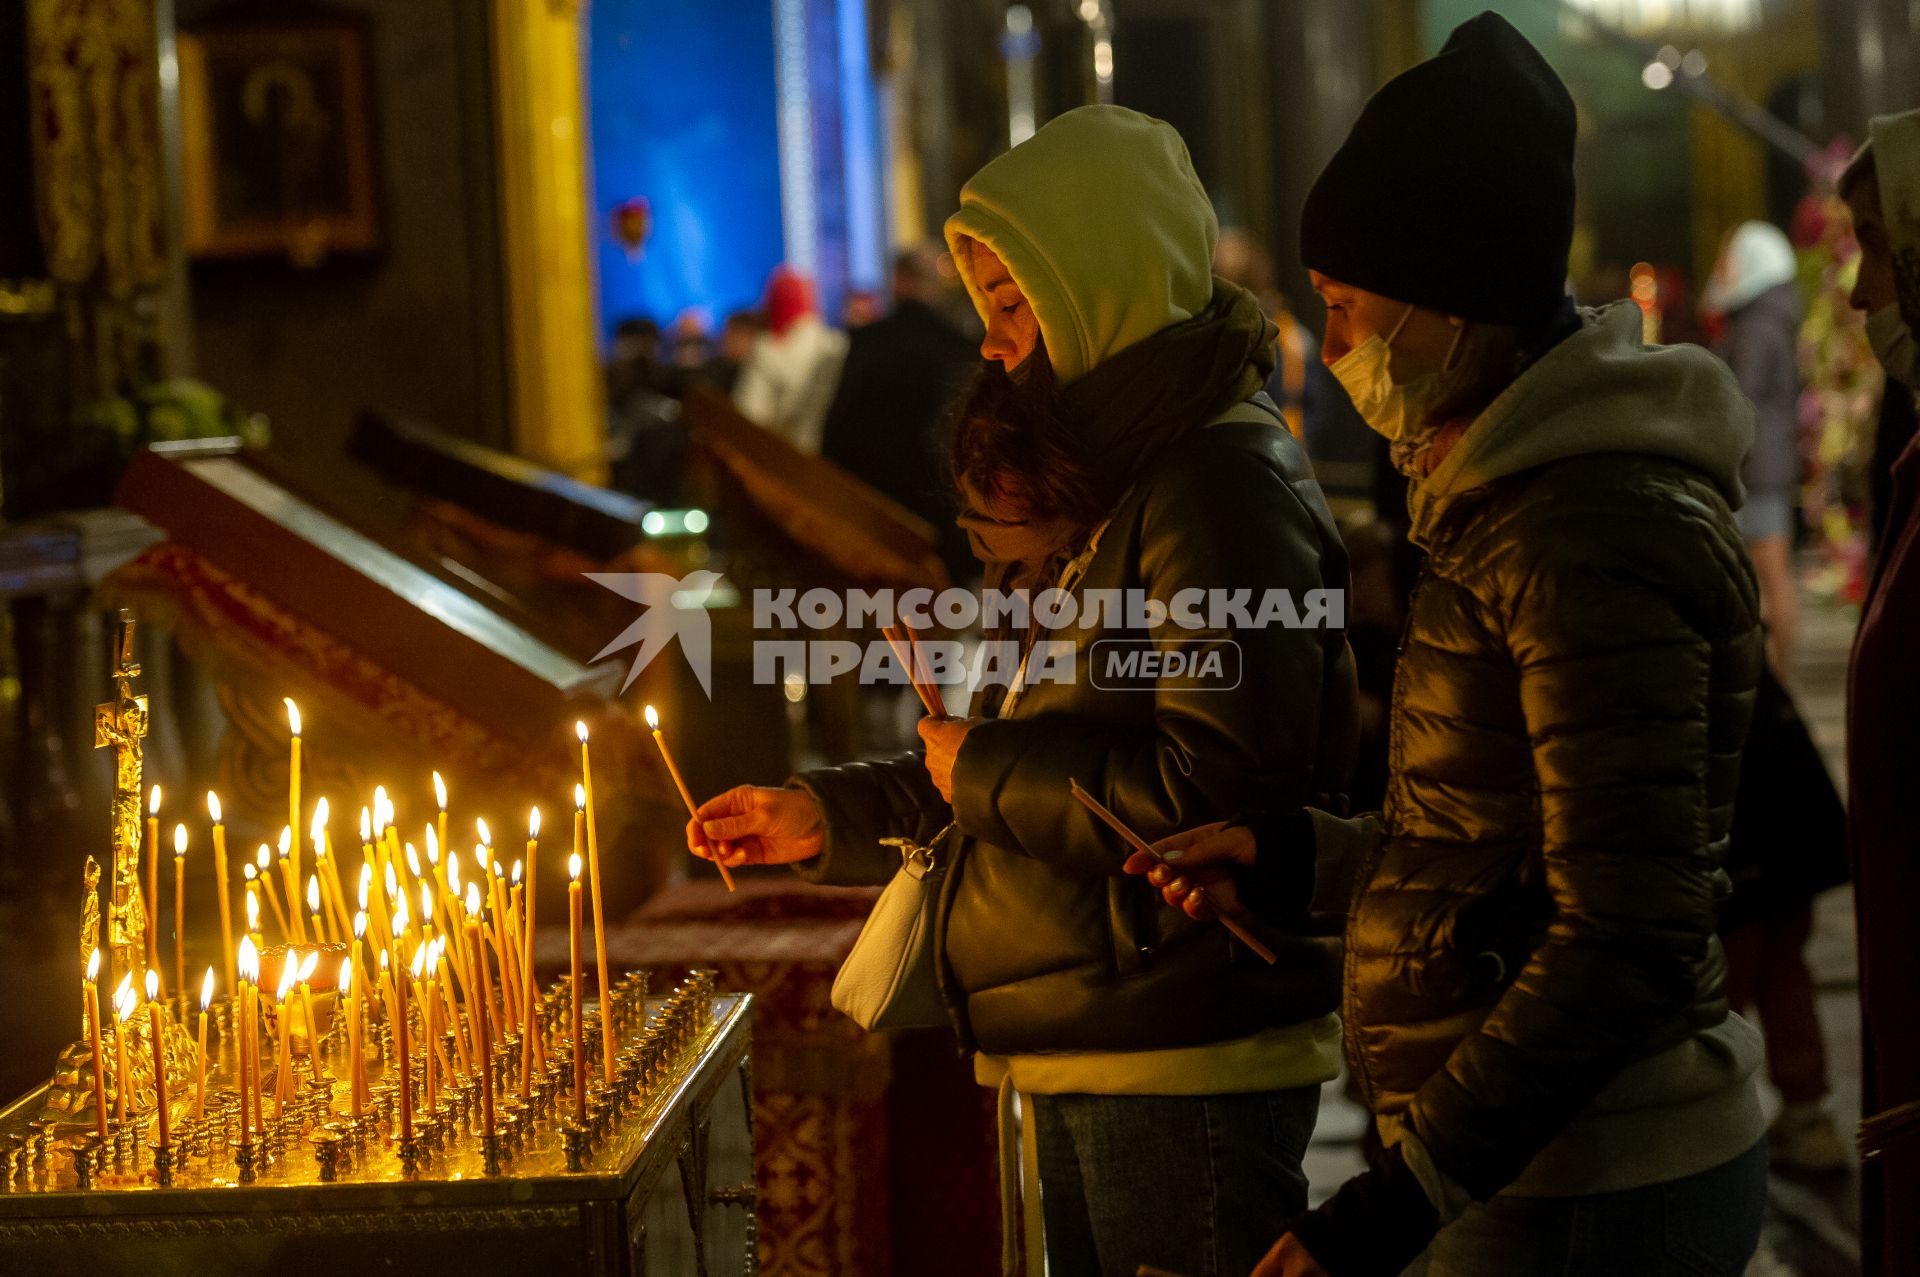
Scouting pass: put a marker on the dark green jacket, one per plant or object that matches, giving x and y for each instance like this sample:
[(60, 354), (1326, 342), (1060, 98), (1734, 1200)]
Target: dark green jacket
[(1046, 945)]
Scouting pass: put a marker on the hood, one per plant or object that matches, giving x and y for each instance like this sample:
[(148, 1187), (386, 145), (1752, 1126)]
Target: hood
[(1896, 161), (1103, 225), (1757, 258), (1599, 391)]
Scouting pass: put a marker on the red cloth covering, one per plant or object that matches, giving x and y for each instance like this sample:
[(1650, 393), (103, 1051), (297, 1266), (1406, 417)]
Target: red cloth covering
[(789, 298), (874, 1153)]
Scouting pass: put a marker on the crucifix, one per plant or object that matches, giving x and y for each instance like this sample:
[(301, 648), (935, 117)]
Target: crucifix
[(121, 723)]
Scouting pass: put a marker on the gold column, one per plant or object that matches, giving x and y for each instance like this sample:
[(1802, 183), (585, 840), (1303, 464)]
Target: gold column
[(559, 413)]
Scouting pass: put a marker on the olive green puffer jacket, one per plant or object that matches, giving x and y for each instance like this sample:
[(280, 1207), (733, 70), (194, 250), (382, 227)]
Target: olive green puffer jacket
[(1568, 712)]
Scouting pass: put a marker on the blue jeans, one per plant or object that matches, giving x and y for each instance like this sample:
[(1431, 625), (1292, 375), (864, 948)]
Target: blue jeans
[(1705, 1225), (1196, 1184)]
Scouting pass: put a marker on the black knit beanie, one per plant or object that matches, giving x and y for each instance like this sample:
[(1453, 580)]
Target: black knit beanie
[(1454, 190)]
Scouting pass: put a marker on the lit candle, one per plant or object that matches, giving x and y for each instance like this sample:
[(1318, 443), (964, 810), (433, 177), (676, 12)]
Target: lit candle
[(93, 1039), (180, 911), (679, 783), (485, 1060), (439, 959), (123, 1004), (220, 884), (253, 913), (335, 914), (200, 1061), (510, 929), (290, 876), (247, 963), (440, 801), (530, 1043), (406, 1057), (283, 1070), (306, 1006), (359, 939), (264, 859), (579, 1042), (293, 782), (313, 905), (423, 990), (599, 917), (153, 876), (356, 1063), (159, 1029)]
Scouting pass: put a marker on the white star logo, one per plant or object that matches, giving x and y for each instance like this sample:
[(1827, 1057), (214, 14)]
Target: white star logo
[(672, 607)]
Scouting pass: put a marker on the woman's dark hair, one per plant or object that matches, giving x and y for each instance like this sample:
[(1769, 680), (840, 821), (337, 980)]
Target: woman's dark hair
[(1010, 439)]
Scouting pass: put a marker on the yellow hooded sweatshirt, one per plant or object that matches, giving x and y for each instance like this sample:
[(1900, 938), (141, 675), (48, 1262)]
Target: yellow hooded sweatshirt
[(1103, 225)]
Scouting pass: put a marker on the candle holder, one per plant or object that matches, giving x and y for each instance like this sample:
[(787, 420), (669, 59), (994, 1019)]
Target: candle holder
[(163, 1163), (574, 1142), (82, 1151), (327, 1152), (410, 1157), (246, 1162), (490, 1149)]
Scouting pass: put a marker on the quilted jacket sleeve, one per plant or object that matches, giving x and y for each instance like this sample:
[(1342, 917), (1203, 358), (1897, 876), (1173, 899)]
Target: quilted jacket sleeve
[(1219, 519), (863, 802), (1614, 669)]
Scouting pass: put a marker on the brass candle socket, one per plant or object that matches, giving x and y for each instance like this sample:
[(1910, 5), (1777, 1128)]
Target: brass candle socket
[(327, 1152), (163, 1163), (246, 1159), (410, 1156)]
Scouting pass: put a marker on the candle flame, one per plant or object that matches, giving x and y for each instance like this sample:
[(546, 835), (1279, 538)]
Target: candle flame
[(253, 910), (366, 883), (426, 901), (533, 823), (306, 968), (573, 866), (400, 921), (383, 961), (249, 873), (123, 1000), (293, 714), (346, 976), (153, 801), (439, 791), (653, 719), (213, 806), (473, 900), (360, 925), (393, 882), (180, 840), (265, 857), (313, 893), (580, 730), (433, 847), (480, 856), (453, 872), (486, 835), (419, 960), (317, 830), (380, 806), (206, 991), (249, 961), (366, 826), (153, 985), (579, 797), (286, 840), (286, 976), (516, 873), (413, 861), (93, 966)]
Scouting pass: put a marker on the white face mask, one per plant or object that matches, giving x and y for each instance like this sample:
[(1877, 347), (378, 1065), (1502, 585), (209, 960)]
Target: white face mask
[(1389, 408), (1893, 345)]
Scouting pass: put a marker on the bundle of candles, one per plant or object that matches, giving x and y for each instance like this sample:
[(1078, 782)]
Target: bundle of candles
[(418, 965)]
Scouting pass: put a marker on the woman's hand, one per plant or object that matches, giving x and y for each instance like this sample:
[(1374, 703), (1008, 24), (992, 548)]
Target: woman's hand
[(1197, 876), (756, 825), (943, 737), (1288, 1258)]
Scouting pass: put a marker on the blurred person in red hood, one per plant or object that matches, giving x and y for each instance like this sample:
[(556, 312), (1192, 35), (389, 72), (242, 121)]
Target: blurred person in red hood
[(788, 379)]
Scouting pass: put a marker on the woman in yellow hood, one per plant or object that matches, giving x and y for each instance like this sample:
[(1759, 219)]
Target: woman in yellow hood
[(1171, 1076)]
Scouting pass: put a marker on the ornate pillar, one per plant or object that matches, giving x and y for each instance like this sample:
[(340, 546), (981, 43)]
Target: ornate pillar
[(559, 411)]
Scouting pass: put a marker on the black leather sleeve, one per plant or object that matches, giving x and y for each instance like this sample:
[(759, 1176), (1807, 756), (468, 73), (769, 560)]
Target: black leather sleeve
[(1220, 517), (862, 803)]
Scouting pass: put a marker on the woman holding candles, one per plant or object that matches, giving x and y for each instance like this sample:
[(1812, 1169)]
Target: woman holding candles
[(1115, 440)]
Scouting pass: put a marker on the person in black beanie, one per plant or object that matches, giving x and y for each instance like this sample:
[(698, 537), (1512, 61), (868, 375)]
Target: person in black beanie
[(1534, 998)]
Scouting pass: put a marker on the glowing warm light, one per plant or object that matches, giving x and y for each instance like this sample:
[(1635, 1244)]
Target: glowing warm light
[(413, 861), (573, 866), (286, 840), (380, 806), (580, 730), (206, 990), (153, 985), (516, 873), (433, 846), (480, 856), (366, 884), (360, 925), (124, 999), (249, 961), (153, 801), (306, 968), (286, 977), (345, 981), (213, 806), (580, 797), (180, 840), (439, 791), (253, 911), (400, 922), (453, 872), (93, 966), (473, 900), (313, 893), (366, 826), (393, 882), (533, 823), (419, 960), (317, 831), (426, 901), (265, 857), (293, 714), (653, 719), (486, 835)]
